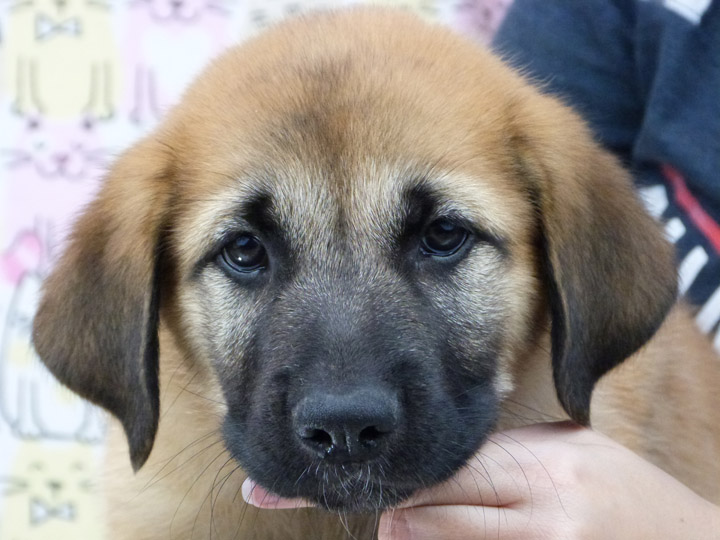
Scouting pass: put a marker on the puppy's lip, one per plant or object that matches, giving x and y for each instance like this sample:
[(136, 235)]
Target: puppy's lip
[(256, 495)]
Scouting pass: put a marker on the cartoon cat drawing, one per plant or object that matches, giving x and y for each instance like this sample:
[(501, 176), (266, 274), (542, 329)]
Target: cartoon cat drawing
[(32, 403), (59, 58), (197, 29), (55, 150), (48, 493)]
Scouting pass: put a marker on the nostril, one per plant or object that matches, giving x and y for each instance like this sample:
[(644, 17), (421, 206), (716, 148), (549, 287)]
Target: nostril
[(317, 437), (371, 435)]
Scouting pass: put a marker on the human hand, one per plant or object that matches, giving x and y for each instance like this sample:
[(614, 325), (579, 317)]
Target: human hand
[(547, 481)]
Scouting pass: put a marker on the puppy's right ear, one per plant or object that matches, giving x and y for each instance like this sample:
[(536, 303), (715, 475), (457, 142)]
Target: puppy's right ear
[(96, 326), (610, 273)]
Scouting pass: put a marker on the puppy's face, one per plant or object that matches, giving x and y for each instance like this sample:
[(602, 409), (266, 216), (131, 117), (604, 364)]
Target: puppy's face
[(357, 235), (360, 310)]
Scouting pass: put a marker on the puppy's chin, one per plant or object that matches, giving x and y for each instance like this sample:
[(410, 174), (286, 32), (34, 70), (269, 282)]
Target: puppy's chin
[(358, 496), (354, 488), (374, 501)]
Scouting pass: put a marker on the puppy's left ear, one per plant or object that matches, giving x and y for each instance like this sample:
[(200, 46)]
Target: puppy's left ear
[(611, 274), (96, 325)]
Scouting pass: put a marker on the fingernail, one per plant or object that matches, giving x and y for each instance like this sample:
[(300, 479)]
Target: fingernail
[(257, 495), (248, 487), (394, 526)]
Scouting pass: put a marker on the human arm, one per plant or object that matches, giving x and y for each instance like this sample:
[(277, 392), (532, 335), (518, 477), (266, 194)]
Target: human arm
[(554, 480)]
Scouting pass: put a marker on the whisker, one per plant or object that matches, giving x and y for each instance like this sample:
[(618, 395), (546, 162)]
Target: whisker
[(169, 384), (557, 493), (152, 481), (192, 485), (223, 481)]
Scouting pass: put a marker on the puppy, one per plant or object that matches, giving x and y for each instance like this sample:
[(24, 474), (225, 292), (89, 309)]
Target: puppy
[(359, 246)]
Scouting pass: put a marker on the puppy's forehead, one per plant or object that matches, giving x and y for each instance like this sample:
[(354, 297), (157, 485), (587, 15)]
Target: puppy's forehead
[(337, 119)]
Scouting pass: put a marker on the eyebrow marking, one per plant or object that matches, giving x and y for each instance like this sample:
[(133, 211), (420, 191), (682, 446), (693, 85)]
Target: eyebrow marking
[(254, 215), (422, 204), (419, 202), (257, 210)]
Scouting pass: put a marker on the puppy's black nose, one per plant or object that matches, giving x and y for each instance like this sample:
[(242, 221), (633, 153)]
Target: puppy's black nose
[(346, 427)]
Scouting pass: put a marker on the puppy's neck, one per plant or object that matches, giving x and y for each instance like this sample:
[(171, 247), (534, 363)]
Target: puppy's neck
[(533, 398)]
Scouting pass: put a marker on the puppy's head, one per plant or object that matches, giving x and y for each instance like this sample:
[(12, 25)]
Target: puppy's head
[(359, 224)]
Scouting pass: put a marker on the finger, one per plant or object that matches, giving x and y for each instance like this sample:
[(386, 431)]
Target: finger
[(256, 495), (453, 523), (498, 475), (509, 468)]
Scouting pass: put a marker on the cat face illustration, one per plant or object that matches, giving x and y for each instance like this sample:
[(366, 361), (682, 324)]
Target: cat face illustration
[(60, 12), (56, 151), (185, 11), (49, 493)]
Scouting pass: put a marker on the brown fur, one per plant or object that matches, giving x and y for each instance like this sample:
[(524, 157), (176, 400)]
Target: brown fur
[(340, 107)]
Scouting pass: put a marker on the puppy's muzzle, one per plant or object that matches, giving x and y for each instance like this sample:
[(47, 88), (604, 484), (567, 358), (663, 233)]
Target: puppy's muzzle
[(346, 426)]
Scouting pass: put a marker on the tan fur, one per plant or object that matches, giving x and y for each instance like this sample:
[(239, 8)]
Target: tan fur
[(653, 403), (319, 112)]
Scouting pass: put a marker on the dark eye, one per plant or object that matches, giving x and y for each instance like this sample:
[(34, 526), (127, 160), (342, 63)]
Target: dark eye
[(443, 238), (245, 254)]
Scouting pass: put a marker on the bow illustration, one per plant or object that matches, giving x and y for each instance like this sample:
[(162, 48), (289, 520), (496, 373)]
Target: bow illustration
[(40, 511), (46, 28)]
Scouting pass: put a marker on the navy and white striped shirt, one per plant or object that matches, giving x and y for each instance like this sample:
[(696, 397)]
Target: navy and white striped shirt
[(646, 76)]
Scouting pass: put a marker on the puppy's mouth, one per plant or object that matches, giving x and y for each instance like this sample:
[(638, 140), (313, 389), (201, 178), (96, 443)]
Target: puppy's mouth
[(355, 487)]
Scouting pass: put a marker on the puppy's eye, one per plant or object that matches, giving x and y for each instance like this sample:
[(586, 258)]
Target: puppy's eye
[(443, 238), (245, 254)]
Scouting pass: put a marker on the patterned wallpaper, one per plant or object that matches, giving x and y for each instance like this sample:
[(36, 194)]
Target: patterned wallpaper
[(80, 80)]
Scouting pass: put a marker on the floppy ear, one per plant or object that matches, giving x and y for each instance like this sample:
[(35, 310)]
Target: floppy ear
[(611, 274), (96, 325)]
